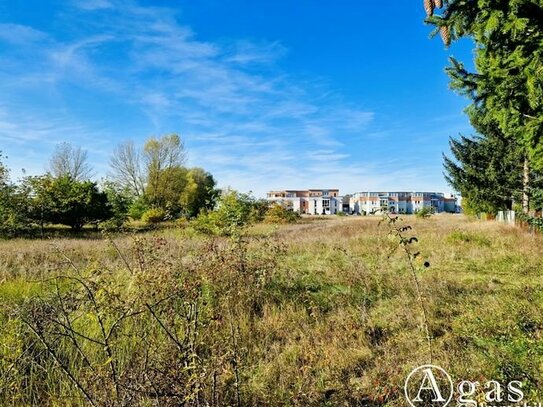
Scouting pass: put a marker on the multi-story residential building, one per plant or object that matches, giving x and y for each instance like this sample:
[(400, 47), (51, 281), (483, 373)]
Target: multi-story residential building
[(329, 202), (310, 201), (401, 202)]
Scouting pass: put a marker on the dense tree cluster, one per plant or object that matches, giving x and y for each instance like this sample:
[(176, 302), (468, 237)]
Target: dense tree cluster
[(502, 166), (152, 180)]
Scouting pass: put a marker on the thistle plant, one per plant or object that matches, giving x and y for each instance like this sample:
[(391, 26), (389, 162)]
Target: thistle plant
[(405, 241)]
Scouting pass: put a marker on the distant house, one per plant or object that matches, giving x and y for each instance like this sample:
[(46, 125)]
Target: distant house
[(309, 201), (330, 202), (402, 202)]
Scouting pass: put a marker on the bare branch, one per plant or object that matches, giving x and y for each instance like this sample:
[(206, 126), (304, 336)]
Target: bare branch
[(71, 161)]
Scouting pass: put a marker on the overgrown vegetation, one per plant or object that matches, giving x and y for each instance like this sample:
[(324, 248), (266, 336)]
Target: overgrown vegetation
[(151, 185), (424, 212), (235, 211), (153, 180), (534, 222), (311, 314), (279, 214)]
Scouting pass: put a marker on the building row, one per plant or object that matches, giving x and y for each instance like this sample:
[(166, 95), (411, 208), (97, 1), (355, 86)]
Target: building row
[(330, 202)]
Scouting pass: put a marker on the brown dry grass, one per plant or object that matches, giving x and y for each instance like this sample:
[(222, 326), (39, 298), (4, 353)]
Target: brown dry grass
[(331, 317)]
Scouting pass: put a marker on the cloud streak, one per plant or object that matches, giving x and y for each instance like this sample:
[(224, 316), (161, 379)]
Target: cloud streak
[(250, 123)]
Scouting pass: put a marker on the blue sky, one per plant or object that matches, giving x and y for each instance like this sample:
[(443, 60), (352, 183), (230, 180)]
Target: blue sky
[(267, 94)]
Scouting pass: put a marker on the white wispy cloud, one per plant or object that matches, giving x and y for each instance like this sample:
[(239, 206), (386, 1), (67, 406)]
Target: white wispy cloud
[(20, 34), (249, 53), (92, 5), (245, 119)]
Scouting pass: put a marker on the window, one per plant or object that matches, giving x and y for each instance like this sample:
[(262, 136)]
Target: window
[(326, 202)]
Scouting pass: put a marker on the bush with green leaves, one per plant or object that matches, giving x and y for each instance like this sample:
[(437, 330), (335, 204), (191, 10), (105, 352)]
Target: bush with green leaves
[(280, 214), (233, 212), (154, 215), (425, 212), (13, 205), (532, 221), (119, 202), (138, 207)]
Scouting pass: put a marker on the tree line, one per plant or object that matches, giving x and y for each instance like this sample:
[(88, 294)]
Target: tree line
[(150, 183), (501, 166)]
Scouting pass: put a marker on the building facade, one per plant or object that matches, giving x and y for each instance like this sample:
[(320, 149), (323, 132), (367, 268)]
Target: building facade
[(401, 202), (310, 201), (330, 202)]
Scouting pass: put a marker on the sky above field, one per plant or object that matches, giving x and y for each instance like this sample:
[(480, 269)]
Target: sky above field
[(266, 94)]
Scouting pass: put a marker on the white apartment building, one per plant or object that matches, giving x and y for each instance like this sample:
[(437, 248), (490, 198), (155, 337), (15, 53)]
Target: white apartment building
[(310, 201), (329, 201), (401, 202)]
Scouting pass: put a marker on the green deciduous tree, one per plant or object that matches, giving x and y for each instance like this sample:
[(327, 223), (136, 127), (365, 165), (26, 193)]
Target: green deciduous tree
[(166, 192), (183, 191), (200, 192), (13, 205), (161, 157), (119, 202), (156, 178), (66, 201)]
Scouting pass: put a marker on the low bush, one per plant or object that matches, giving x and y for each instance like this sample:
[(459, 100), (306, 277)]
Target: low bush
[(536, 223), (234, 212), (154, 215), (279, 214), (137, 209), (425, 212)]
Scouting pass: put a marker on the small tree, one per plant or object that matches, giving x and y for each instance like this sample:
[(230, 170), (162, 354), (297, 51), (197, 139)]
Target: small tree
[(199, 193), (67, 201), (260, 208), (154, 215), (138, 208), (119, 202), (13, 205)]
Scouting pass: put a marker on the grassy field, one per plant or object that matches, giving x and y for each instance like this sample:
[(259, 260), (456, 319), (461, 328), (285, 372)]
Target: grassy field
[(321, 313)]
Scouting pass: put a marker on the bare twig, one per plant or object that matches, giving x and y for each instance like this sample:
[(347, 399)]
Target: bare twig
[(59, 362)]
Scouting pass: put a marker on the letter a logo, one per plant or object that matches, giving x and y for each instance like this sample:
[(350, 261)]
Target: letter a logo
[(432, 386), (428, 385)]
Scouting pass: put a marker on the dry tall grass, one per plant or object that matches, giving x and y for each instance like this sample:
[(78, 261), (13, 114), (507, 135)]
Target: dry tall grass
[(319, 313)]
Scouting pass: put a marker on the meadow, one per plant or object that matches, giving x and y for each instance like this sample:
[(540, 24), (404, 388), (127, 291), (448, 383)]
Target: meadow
[(324, 312)]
